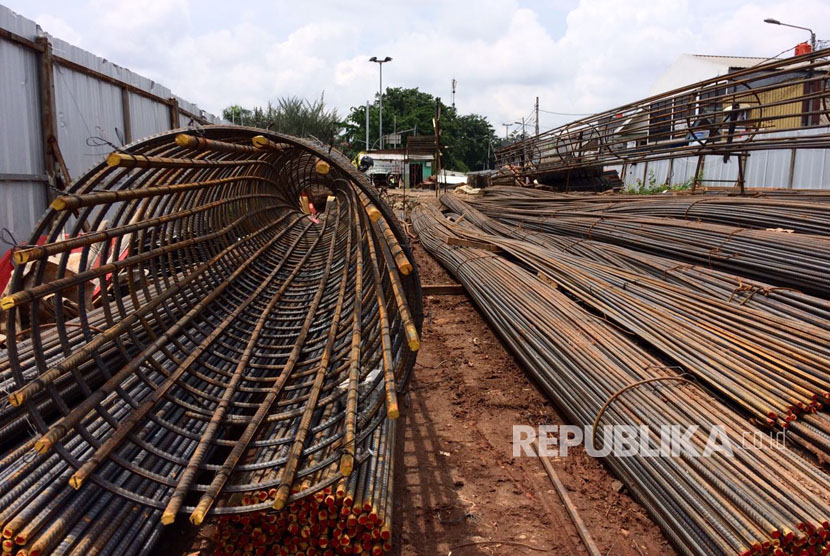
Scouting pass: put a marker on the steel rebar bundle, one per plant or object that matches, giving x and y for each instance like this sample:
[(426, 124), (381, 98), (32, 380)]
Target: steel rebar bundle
[(765, 500), (774, 368), (805, 212), (211, 322), (779, 301), (783, 259)]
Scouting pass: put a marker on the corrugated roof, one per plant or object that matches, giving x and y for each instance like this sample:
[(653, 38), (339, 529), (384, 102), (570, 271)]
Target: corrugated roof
[(733, 61)]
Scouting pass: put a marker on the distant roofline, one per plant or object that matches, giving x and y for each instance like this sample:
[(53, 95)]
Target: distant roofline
[(724, 56)]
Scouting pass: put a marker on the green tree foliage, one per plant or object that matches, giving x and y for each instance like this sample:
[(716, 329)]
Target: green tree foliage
[(293, 116), (464, 139)]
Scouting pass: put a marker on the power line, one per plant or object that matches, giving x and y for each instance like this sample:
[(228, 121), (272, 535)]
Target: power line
[(565, 113)]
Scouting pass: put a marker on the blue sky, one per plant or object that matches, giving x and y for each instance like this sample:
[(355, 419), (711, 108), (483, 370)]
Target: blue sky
[(578, 56)]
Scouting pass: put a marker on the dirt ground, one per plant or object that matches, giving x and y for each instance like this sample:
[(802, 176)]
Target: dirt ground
[(458, 485)]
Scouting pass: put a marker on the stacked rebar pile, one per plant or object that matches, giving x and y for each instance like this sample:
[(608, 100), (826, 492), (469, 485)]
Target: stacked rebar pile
[(776, 256), (775, 368), (767, 500), (203, 319), (779, 301), (803, 212)]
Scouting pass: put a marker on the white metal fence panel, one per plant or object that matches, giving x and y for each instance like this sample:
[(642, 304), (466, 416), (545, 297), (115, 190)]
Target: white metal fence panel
[(86, 107)]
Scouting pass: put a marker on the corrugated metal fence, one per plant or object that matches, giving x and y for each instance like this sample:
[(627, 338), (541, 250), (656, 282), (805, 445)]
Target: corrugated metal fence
[(59, 106), (784, 168)]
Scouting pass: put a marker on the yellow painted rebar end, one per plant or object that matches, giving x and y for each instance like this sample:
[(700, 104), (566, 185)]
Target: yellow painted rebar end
[(405, 268), (197, 517), (412, 334), (185, 140), (168, 517), (346, 464), (322, 167), (282, 497), (374, 214), (7, 303), (114, 159), (59, 204), (16, 399), (20, 257), (76, 481), (260, 141), (392, 412), (43, 445)]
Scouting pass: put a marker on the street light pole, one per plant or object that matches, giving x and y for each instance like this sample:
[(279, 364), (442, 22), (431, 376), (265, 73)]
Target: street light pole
[(367, 125), (506, 127), (772, 21), (380, 95)]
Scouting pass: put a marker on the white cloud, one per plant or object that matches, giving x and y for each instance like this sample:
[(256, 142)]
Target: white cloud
[(57, 27), (577, 56)]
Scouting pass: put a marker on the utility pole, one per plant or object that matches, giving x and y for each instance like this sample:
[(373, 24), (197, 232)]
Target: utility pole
[(436, 123), (367, 125), (380, 95), (454, 82), (522, 123), (537, 115)]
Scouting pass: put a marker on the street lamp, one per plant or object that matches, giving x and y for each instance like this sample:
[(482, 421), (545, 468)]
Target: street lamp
[(772, 21), (506, 127), (380, 94)]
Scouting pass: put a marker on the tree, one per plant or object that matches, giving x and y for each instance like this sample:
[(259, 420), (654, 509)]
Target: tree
[(238, 115), (464, 139), (292, 116)]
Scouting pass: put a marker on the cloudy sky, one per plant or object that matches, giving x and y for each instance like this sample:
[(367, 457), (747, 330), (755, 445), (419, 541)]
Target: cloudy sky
[(578, 56)]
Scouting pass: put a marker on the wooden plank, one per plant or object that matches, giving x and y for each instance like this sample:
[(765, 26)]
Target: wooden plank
[(48, 119), (174, 113), (442, 289), (474, 244)]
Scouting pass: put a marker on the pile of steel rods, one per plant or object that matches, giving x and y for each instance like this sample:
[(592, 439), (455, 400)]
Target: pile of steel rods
[(804, 213), (779, 301), (784, 259), (213, 322), (762, 500), (800, 211), (774, 368)]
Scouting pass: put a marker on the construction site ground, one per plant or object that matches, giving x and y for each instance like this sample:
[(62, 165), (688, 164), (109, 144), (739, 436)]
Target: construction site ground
[(461, 489)]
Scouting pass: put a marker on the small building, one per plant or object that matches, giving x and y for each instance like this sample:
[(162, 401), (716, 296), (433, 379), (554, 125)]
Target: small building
[(391, 165)]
